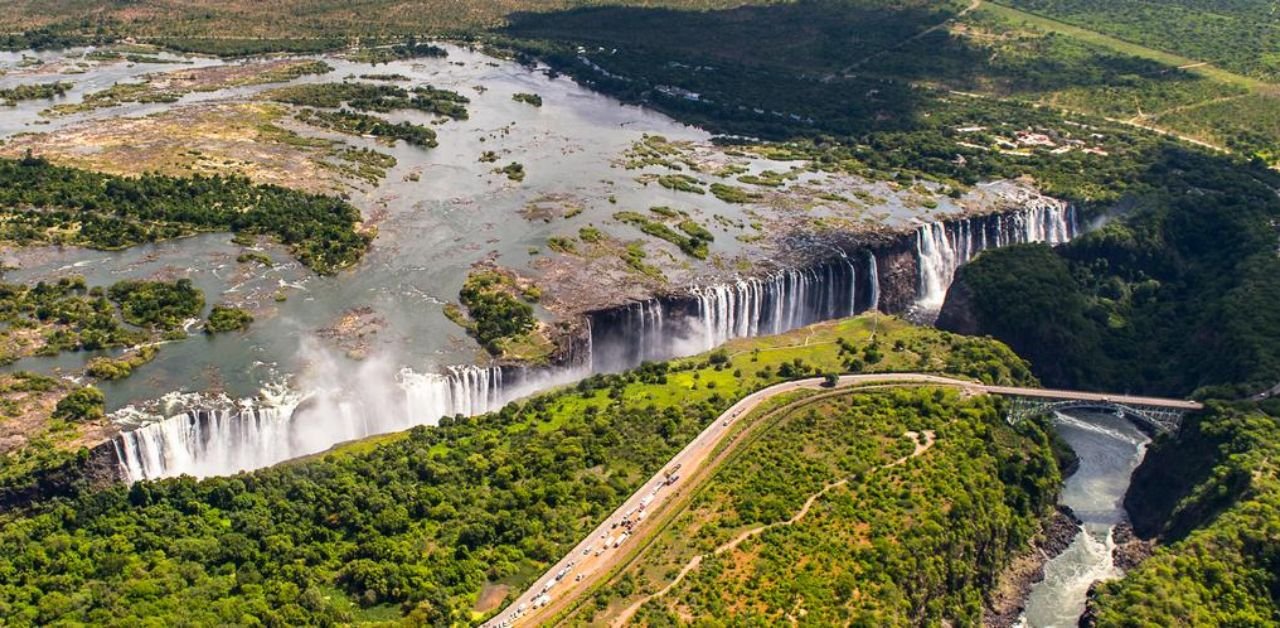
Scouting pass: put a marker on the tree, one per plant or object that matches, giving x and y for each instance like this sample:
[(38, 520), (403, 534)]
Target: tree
[(82, 404)]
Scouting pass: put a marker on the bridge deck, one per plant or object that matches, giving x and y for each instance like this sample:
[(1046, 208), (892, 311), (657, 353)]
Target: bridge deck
[(1048, 393)]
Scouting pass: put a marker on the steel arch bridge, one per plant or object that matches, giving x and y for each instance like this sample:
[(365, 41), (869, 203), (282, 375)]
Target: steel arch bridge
[(1162, 419)]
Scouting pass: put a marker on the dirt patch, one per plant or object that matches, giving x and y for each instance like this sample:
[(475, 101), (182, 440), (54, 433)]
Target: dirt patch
[(171, 85), (252, 139), (548, 207), (25, 410), (491, 596)]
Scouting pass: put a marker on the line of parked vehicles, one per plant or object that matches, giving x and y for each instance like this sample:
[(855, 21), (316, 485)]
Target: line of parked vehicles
[(627, 523)]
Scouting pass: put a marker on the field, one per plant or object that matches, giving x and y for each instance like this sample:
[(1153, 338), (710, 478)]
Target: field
[(1238, 35)]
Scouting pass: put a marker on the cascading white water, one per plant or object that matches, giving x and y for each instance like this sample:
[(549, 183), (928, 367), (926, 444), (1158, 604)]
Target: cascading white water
[(232, 437), (873, 270), (253, 435), (776, 303), (941, 248)]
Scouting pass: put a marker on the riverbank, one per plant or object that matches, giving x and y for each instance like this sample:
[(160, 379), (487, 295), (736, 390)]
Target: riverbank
[(1008, 599)]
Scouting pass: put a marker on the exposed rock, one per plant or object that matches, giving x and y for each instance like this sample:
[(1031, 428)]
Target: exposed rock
[(1087, 619), (1008, 598), (898, 274), (1130, 550), (957, 313), (354, 331)]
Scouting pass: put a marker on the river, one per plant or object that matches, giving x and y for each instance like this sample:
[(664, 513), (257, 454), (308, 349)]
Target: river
[(1109, 449)]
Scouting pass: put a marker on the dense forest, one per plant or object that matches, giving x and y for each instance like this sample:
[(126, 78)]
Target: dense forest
[(44, 203), (496, 311), (416, 523), (1172, 295), (739, 72)]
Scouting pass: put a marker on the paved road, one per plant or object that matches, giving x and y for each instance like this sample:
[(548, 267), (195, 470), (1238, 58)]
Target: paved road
[(1129, 400), (590, 559)]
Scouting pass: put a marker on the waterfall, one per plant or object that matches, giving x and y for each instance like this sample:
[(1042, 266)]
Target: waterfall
[(225, 439), (942, 247), (222, 436), (873, 270), (664, 328)]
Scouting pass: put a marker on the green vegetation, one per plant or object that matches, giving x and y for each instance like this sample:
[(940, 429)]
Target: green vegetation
[(49, 318), (224, 318), (561, 244), (1238, 35), (82, 404), (473, 501), (887, 82), (42, 203), (384, 77), (256, 258), (693, 245), (513, 170), (45, 39), (379, 98), (250, 47), (494, 313), (525, 97), (50, 448), (122, 367), (1212, 495), (885, 548), (248, 27), (157, 304), (681, 183), (11, 96), (410, 49), (1171, 298), (364, 124), (732, 193)]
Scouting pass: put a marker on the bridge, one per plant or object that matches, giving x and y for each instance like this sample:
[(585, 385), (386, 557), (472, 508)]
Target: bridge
[(1162, 415), (594, 558)]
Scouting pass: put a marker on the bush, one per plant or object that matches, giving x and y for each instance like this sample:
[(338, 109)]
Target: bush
[(227, 318), (82, 404)]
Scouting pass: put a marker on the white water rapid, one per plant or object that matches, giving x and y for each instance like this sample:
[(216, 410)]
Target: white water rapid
[(1109, 449)]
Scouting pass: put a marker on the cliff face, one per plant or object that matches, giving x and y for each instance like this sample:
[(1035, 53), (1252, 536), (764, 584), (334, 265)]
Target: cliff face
[(898, 273), (1171, 472), (958, 314), (97, 467)]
